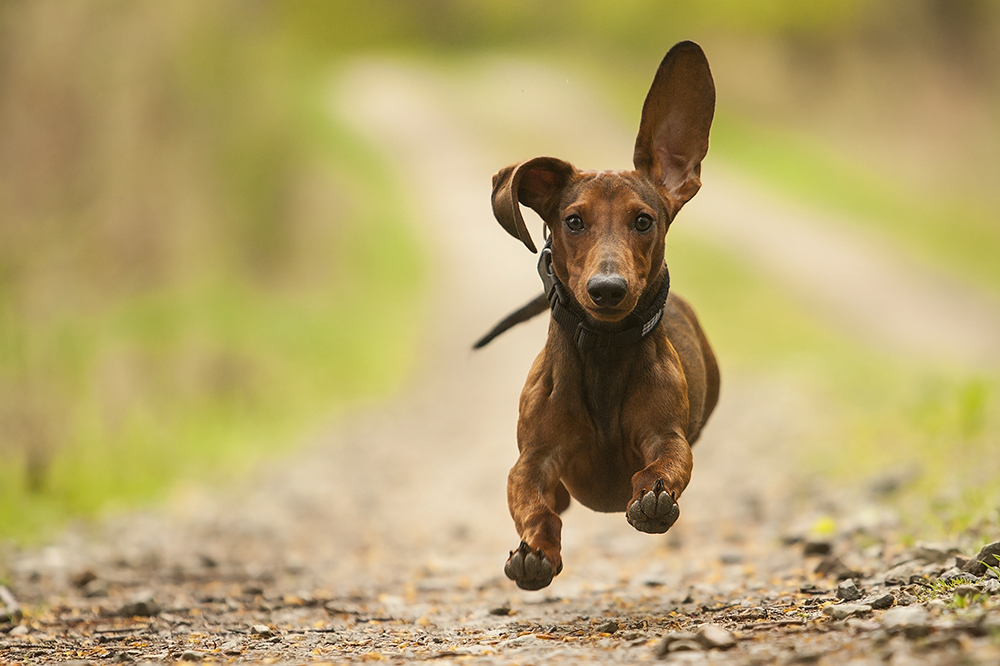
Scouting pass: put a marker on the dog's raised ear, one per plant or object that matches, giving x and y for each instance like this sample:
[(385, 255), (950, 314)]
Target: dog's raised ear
[(537, 184), (676, 119)]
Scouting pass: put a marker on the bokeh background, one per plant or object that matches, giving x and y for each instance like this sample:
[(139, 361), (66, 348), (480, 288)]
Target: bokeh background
[(196, 252)]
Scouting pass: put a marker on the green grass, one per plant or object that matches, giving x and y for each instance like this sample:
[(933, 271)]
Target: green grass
[(879, 414), (960, 236)]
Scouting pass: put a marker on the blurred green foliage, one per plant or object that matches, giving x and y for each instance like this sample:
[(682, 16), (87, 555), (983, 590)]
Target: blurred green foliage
[(189, 272)]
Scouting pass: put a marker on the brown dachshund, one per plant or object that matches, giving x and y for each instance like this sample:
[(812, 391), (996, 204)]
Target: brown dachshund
[(626, 379)]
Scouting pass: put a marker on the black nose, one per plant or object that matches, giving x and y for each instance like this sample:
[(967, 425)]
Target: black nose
[(607, 290)]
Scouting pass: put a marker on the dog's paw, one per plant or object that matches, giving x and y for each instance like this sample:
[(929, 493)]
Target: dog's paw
[(530, 569), (654, 511)]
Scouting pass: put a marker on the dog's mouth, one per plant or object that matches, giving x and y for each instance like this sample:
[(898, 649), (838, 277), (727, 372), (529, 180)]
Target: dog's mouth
[(608, 315)]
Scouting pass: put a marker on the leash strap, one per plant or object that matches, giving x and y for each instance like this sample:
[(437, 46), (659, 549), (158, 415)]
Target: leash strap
[(587, 337)]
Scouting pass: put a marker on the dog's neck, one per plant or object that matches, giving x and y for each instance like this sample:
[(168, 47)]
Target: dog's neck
[(589, 334)]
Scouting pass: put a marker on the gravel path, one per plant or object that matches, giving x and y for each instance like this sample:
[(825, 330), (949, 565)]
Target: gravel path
[(384, 539)]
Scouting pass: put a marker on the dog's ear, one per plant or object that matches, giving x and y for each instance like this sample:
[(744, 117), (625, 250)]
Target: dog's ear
[(537, 184), (676, 118)]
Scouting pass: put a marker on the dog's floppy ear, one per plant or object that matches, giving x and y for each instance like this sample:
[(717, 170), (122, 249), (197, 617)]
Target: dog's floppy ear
[(676, 118), (535, 183)]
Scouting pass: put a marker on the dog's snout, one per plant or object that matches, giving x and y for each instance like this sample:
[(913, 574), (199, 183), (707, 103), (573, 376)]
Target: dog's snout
[(607, 290)]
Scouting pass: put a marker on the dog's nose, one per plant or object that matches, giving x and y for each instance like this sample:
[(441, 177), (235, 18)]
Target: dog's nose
[(607, 290)]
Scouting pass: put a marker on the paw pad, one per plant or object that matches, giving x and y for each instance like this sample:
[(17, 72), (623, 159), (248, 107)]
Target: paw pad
[(654, 511), (530, 569)]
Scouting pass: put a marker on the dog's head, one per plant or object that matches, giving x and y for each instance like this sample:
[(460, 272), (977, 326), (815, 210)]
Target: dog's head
[(608, 228)]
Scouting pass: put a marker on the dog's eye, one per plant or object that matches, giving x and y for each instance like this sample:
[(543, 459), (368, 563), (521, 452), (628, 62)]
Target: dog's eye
[(643, 222), (574, 223)]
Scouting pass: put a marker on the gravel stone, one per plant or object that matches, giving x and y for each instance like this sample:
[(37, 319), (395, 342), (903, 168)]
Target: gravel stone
[(987, 554), (912, 621), (880, 601), (834, 567), (261, 630), (844, 611), (848, 591), (712, 636), (142, 605), (609, 627), (817, 548), (663, 647), (967, 590)]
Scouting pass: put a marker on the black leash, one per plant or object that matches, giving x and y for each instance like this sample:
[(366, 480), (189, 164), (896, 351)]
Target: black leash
[(586, 337)]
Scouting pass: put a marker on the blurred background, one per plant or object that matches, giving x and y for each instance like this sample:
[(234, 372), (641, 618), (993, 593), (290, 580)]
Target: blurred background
[(196, 252)]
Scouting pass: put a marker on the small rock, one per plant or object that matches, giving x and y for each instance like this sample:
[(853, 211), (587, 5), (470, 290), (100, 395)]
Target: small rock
[(81, 578), (905, 599), (912, 621), (967, 590), (848, 590), (608, 627), (663, 647), (817, 548), (957, 575), (191, 655), (261, 630), (142, 605), (731, 557), (880, 601), (19, 630), (901, 573), (500, 610), (834, 567), (844, 611), (987, 554), (990, 586), (866, 626), (934, 553), (714, 637), (936, 606), (95, 588), (231, 649), (685, 646)]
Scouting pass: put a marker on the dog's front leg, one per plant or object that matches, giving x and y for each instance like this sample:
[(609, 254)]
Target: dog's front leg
[(532, 496), (657, 487)]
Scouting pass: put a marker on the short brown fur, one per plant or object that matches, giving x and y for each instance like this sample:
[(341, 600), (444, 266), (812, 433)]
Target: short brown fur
[(613, 427)]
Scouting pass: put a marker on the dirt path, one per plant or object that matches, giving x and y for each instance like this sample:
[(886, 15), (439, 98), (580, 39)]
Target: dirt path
[(385, 539)]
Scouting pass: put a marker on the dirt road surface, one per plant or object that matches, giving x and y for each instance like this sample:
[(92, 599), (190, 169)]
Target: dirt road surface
[(385, 538)]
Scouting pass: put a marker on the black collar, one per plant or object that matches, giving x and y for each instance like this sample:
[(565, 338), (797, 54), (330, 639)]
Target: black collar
[(637, 325)]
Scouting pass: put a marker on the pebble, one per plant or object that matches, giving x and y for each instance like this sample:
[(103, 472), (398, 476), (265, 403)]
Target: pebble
[(912, 621), (935, 553), (834, 567), (685, 646), (967, 590), (191, 655), (848, 590), (987, 554), (685, 639), (261, 630), (990, 585), (880, 601), (141, 605), (609, 627), (714, 637), (817, 548), (844, 611), (19, 630)]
